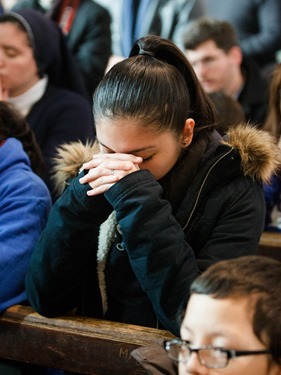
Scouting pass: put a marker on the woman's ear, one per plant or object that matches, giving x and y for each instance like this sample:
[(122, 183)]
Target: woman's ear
[(187, 133)]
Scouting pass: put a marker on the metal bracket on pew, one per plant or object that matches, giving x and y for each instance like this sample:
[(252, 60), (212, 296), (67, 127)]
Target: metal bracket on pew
[(76, 344)]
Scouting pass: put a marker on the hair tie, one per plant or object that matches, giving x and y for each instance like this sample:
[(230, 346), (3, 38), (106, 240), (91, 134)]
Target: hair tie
[(143, 52)]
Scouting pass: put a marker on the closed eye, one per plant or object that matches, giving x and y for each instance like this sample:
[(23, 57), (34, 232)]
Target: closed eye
[(144, 160)]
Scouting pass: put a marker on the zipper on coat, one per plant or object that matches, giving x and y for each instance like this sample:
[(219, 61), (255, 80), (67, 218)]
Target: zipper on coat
[(203, 184)]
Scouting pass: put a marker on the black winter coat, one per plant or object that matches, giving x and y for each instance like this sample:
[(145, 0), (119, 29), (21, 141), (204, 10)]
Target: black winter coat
[(168, 232)]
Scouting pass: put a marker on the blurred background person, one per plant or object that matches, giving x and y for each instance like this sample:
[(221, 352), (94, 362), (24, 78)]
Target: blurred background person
[(257, 24), (228, 111), (86, 26), (132, 19), (273, 125), (8, 4), (273, 120), (43, 83), (212, 47)]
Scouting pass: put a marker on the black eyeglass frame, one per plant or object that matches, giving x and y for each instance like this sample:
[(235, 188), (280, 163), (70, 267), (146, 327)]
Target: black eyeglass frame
[(230, 353)]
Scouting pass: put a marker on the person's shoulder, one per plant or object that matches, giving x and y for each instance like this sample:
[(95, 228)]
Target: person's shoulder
[(16, 165), (25, 4), (58, 95), (12, 152), (93, 7), (254, 77)]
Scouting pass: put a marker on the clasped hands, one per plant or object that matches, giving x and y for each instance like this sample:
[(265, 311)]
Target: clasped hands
[(106, 169)]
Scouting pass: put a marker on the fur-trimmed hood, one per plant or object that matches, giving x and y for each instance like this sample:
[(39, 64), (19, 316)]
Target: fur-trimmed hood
[(69, 160), (260, 156)]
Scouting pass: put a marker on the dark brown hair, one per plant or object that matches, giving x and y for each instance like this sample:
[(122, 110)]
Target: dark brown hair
[(273, 120), (156, 85), (206, 28), (13, 124)]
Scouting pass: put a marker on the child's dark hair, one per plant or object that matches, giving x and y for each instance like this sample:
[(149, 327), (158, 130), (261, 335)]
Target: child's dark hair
[(13, 125), (156, 85)]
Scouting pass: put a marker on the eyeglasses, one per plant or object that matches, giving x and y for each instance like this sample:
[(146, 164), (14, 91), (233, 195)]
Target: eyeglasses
[(208, 356)]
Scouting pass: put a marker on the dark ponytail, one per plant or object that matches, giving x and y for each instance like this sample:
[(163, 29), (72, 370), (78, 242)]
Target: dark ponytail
[(156, 85), (164, 50)]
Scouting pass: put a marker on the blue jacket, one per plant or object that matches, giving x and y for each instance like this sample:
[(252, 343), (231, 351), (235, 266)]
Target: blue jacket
[(24, 206), (136, 265)]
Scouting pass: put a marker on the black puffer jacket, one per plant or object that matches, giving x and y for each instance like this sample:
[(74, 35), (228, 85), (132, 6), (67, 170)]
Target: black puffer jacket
[(209, 207)]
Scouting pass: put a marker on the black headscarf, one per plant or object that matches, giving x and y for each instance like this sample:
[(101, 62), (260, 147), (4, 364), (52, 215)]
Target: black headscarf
[(50, 50)]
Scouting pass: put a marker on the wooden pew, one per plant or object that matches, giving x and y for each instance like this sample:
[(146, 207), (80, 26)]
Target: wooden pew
[(83, 345), (86, 345), (270, 245)]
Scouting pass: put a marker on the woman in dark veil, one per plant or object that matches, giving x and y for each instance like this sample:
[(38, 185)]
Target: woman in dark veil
[(40, 77)]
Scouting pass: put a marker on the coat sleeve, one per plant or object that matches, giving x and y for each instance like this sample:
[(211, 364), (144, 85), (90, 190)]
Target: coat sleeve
[(162, 260), (59, 263)]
